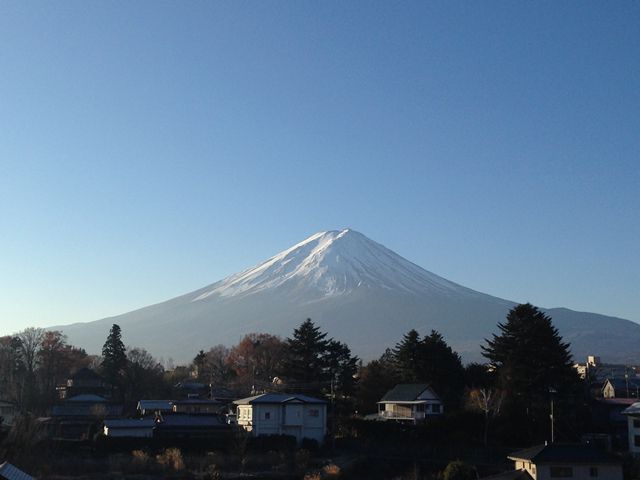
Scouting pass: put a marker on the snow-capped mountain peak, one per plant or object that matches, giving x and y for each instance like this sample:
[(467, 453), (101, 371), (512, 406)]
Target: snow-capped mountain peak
[(331, 263)]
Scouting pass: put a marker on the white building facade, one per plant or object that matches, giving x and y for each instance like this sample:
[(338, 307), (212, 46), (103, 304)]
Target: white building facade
[(300, 416)]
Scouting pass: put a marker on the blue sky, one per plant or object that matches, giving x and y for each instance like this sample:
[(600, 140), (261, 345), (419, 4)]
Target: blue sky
[(150, 148)]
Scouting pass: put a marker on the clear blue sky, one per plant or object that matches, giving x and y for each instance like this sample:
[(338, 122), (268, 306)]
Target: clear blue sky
[(150, 148)]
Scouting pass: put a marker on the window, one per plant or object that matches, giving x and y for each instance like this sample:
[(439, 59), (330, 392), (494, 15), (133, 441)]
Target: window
[(561, 472), (314, 412), (593, 471), (267, 415), (420, 408), (435, 408)]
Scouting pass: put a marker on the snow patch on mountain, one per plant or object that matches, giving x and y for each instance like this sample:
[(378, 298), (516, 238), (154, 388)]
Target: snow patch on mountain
[(333, 263)]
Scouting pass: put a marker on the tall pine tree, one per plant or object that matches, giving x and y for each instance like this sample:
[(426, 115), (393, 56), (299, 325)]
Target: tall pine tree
[(531, 362), (305, 361), (430, 360), (114, 357)]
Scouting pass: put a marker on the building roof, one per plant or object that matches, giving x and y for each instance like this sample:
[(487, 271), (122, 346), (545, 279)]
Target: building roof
[(564, 453), (405, 392), (129, 423), (511, 475), (9, 472), (196, 401), (632, 410), (86, 410), (155, 405), (89, 398), (191, 386), (178, 421), (277, 398), (616, 402), (620, 383)]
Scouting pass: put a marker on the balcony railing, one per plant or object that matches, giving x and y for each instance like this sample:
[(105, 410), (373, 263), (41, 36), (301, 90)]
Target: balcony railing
[(401, 414)]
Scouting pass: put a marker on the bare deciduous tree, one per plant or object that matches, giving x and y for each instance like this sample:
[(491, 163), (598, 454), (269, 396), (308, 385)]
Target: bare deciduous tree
[(489, 402)]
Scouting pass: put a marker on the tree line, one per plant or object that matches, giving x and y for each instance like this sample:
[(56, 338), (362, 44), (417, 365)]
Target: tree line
[(526, 364)]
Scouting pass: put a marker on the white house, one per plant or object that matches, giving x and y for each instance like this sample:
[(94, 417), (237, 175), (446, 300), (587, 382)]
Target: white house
[(283, 414), (633, 427), (409, 402), (547, 462)]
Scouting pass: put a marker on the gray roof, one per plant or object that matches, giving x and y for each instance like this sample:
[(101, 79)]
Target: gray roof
[(564, 453), (632, 410), (278, 398), (177, 421), (196, 401), (10, 472), (129, 423), (86, 410), (620, 383), (405, 392), (87, 398), (155, 405)]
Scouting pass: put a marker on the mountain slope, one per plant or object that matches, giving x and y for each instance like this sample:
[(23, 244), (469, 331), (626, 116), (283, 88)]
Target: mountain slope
[(355, 289)]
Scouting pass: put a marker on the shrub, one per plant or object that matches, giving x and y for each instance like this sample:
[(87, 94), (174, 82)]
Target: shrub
[(171, 458), (458, 470), (331, 470)]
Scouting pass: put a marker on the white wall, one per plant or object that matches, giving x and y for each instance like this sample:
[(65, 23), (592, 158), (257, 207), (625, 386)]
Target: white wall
[(298, 420), (633, 432)]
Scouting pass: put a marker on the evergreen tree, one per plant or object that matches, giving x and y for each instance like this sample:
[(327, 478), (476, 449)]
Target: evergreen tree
[(530, 361), (341, 367), (407, 359), (430, 360), (529, 355), (441, 367), (306, 362), (374, 380), (114, 357)]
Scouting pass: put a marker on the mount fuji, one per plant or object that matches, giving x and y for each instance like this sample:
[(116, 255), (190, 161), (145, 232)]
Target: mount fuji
[(358, 291)]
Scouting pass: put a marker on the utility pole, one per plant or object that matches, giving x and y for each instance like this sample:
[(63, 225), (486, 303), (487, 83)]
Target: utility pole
[(552, 420), (551, 416)]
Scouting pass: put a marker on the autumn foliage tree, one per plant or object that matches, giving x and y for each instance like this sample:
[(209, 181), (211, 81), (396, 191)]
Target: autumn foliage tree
[(257, 360)]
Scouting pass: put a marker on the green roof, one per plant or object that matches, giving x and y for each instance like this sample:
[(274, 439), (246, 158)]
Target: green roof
[(405, 392)]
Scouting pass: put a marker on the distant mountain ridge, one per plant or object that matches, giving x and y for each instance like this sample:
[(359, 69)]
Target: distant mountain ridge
[(357, 290)]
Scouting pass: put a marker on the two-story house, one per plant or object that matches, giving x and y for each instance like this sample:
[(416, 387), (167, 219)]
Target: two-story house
[(410, 402), (283, 414), (551, 461)]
